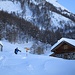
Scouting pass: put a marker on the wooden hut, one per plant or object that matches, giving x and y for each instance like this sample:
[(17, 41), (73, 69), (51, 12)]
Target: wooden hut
[(1, 46), (64, 48)]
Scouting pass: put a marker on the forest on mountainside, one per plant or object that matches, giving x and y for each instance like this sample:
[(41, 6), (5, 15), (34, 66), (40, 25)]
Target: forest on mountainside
[(14, 28)]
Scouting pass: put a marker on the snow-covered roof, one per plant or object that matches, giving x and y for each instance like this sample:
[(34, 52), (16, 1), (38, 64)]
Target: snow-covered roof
[(1, 43), (70, 41)]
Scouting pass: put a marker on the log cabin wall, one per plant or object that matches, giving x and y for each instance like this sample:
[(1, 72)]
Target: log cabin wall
[(66, 55), (64, 48)]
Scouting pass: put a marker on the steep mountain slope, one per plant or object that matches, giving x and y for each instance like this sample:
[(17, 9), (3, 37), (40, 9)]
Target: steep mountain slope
[(49, 16)]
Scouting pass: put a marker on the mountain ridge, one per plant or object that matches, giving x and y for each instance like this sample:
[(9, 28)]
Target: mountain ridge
[(50, 20)]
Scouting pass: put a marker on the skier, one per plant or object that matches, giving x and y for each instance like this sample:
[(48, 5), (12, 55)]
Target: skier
[(16, 51)]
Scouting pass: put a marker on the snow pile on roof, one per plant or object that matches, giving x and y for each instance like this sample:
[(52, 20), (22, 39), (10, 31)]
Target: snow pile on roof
[(1, 43), (71, 41)]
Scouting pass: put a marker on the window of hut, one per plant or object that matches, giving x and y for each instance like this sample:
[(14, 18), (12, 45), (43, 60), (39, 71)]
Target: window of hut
[(65, 46)]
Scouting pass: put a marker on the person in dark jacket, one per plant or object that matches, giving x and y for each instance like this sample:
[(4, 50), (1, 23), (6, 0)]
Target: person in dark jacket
[(16, 51)]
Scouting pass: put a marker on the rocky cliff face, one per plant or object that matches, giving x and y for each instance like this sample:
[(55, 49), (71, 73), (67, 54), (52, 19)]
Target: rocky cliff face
[(46, 15)]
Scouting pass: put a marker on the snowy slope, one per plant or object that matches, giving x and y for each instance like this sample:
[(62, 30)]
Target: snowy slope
[(20, 64), (10, 6), (15, 6)]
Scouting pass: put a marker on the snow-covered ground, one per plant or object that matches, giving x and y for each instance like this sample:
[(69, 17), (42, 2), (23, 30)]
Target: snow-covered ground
[(20, 64)]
